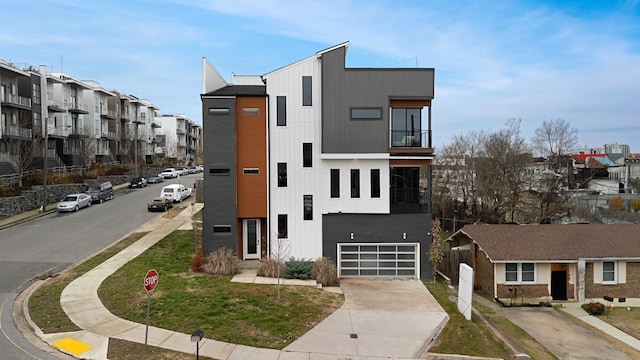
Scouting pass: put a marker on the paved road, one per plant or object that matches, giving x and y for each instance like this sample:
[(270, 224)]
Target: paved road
[(53, 242)]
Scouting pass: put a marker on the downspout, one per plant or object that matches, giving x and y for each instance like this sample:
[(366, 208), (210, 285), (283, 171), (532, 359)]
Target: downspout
[(268, 237)]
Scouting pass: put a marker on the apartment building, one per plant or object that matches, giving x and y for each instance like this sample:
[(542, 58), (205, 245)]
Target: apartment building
[(181, 139), (316, 159), (69, 121)]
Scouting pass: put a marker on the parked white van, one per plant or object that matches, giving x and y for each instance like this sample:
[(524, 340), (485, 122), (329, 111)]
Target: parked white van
[(175, 192)]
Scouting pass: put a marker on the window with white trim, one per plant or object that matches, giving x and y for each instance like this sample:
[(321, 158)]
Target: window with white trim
[(609, 272), (519, 273)]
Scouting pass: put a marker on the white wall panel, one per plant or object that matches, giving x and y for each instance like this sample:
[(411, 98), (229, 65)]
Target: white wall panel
[(364, 204), (303, 126)]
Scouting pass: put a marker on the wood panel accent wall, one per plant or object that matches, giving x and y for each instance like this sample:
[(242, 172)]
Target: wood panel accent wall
[(251, 152), (410, 104)]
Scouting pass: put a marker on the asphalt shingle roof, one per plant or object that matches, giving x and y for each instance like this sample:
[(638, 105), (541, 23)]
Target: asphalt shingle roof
[(556, 242)]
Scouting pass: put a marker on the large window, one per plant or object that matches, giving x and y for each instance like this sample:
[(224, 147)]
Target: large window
[(335, 183), (520, 272), (609, 272), (375, 183), (282, 174), (282, 226), (306, 91), (281, 110), (355, 183), (308, 207), (307, 159), (406, 127)]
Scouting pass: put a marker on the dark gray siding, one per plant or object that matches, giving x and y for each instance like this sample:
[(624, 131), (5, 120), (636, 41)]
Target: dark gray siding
[(219, 137), (343, 89), (367, 228)]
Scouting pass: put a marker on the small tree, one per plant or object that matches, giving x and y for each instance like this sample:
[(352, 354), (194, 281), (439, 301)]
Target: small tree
[(280, 249), (436, 250), (21, 154)]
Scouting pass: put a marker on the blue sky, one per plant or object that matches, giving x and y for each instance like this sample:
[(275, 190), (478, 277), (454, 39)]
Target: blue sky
[(494, 60)]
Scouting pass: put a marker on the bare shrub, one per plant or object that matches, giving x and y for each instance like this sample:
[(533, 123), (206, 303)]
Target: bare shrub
[(325, 272), (269, 268), (222, 262)]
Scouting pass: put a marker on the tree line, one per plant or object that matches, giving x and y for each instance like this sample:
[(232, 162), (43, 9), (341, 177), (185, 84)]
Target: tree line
[(499, 177)]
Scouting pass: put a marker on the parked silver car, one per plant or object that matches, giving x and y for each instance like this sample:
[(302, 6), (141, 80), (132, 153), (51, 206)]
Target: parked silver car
[(74, 202)]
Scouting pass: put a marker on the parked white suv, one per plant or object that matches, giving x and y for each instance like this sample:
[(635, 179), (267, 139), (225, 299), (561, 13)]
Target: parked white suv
[(175, 192), (169, 173)]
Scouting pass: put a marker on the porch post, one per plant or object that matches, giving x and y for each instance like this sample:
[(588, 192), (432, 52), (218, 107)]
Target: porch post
[(581, 280)]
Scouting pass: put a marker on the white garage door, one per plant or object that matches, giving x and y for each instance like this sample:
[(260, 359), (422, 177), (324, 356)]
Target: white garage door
[(379, 260)]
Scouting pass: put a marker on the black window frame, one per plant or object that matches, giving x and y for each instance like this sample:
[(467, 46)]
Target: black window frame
[(375, 183), (307, 90), (282, 174), (335, 183), (307, 207), (281, 110), (355, 183), (307, 155), (283, 226)]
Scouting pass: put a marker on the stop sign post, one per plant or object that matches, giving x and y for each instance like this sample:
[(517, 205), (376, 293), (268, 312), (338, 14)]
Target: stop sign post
[(150, 280), (150, 283)]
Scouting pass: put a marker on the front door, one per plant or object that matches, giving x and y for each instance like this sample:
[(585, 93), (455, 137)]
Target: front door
[(251, 238), (559, 285)]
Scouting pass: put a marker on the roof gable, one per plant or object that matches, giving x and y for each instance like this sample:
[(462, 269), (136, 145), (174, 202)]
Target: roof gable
[(555, 242)]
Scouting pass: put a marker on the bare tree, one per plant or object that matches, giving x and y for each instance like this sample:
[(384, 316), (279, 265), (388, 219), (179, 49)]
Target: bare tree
[(21, 153), (501, 174), (86, 151), (554, 139), (280, 250)]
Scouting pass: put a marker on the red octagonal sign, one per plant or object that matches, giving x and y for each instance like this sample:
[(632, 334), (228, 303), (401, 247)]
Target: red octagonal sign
[(150, 280)]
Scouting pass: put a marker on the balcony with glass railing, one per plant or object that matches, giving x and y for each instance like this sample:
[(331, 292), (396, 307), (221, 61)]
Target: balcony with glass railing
[(16, 131), (108, 114)]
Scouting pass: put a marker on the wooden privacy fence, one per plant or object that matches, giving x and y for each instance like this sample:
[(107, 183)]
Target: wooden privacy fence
[(450, 265)]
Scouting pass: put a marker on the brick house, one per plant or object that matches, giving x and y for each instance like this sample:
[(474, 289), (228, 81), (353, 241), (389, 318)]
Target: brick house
[(554, 262)]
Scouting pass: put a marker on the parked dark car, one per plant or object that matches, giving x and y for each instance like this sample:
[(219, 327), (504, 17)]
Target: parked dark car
[(138, 182), (159, 204)]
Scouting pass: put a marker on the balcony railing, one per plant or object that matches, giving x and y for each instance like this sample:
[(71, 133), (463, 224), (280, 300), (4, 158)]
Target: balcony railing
[(11, 99), (408, 138), (109, 114), (408, 200), (109, 135), (16, 131), (78, 108), (56, 106)]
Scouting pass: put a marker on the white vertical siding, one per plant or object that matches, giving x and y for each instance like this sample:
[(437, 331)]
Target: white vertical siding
[(285, 145), (365, 204)]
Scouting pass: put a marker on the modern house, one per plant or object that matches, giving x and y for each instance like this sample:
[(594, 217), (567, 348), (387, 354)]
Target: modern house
[(316, 159), (553, 262)]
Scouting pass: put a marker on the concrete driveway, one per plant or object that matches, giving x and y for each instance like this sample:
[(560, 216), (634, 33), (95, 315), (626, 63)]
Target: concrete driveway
[(563, 337), (379, 319)]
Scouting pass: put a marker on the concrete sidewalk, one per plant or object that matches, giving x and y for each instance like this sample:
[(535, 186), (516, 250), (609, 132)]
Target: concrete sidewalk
[(381, 319)]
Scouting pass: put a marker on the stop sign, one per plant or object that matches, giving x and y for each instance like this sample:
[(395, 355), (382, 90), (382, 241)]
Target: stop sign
[(150, 280)]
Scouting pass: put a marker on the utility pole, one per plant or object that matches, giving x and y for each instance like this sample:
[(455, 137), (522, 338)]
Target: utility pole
[(135, 150), (45, 116)]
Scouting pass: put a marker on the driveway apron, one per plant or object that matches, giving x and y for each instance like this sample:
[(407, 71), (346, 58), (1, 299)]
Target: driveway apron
[(379, 318)]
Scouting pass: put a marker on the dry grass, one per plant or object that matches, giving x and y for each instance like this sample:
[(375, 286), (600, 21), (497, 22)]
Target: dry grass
[(325, 272), (269, 268), (221, 262)]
